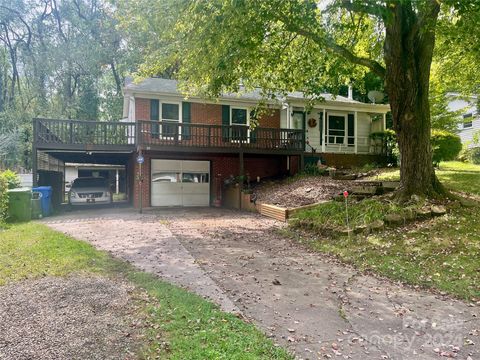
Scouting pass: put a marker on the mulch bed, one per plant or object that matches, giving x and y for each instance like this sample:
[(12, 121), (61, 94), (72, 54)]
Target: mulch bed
[(305, 191)]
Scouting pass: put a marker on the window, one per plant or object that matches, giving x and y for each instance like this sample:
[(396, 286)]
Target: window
[(298, 119), (170, 120), (240, 121), (467, 120), (198, 178), (336, 129), (166, 177)]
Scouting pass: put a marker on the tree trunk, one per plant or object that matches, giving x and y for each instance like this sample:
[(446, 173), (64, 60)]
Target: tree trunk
[(409, 47)]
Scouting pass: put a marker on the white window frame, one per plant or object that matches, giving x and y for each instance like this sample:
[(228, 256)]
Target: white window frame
[(161, 119), (345, 127), (248, 121)]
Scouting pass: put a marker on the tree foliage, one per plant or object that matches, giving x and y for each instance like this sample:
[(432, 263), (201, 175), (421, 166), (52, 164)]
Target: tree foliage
[(58, 58)]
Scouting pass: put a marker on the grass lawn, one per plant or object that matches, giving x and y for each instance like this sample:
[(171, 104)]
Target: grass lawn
[(193, 327), (455, 175), (441, 253)]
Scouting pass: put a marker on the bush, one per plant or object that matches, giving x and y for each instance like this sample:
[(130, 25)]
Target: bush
[(312, 169), (12, 179), (445, 146), (3, 199), (471, 155), (387, 140)]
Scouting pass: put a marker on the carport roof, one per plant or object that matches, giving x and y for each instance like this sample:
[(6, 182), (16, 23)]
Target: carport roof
[(91, 157)]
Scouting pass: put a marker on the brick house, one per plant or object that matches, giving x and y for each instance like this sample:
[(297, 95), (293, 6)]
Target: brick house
[(190, 147)]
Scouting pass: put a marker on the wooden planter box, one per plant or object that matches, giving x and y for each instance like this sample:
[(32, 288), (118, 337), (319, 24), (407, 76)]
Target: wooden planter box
[(281, 213)]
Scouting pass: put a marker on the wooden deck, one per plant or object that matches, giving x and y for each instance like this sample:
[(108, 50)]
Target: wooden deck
[(163, 136)]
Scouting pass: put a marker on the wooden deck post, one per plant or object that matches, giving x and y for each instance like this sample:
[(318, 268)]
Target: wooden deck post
[(34, 154), (241, 177)]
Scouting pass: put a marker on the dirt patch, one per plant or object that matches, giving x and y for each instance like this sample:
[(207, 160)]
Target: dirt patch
[(67, 318), (305, 191)]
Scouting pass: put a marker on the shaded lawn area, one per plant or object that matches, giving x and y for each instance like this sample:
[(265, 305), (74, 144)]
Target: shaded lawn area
[(455, 175), (441, 253), (194, 328)]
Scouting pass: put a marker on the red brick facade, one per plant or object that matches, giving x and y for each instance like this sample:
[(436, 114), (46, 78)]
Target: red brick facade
[(350, 160), (142, 109), (209, 114), (222, 166)]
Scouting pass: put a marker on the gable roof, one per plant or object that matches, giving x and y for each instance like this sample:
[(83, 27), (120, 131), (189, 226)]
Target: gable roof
[(160, 86)]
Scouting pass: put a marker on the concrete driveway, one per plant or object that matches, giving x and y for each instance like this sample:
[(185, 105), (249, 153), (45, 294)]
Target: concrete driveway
[(306, 302)]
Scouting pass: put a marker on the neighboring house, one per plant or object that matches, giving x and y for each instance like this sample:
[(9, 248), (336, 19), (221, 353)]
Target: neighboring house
[(189, 147), (470, 122)]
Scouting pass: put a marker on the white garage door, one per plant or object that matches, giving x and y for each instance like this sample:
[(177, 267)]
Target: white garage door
[(180, 183)]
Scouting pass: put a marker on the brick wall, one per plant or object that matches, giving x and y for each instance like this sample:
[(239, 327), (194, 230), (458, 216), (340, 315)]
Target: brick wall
[(142, 109), (222, 166), (350, 160), (271, 120), (210, 114)]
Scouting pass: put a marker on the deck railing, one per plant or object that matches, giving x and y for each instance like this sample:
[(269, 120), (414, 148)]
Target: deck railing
[(233, 136), (65, 133), (79, 132)]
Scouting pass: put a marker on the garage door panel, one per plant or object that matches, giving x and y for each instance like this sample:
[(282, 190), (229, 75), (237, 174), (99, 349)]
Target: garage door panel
[(196, 194), (180, 183), (166, 165), (166, 194)]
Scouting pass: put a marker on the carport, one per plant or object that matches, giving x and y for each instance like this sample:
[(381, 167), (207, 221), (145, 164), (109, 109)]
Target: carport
[(57, 142)]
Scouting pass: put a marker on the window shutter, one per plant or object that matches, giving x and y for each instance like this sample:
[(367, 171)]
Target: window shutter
[(225, 122), (186, 120), (351, 129), (155, 116)]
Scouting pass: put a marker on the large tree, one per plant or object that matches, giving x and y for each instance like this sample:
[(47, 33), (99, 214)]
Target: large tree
[(282, 45)]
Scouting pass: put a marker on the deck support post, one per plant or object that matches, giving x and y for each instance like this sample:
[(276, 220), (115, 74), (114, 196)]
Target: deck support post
[(241, 178), (302, 162), (34, 154)]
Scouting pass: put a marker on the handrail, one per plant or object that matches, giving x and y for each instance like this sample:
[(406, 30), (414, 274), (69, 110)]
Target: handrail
[(164, 133)]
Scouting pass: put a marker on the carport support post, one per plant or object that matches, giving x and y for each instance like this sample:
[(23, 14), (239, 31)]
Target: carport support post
[(140, 179), (241, 179), (34, 154)]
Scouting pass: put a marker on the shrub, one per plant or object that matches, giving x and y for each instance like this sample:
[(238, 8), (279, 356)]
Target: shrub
[(387, 140), (3, 199), (471, 155), (312, 169), (12, 179), (445, 146)]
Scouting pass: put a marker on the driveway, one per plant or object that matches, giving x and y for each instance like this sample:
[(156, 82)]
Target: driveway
[(305, 301)]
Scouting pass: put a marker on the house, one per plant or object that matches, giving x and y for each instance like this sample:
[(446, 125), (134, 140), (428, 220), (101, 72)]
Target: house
[(180, 152), (470, 122)]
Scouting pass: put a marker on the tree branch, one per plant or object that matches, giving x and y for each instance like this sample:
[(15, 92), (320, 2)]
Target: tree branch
[(330, 45)]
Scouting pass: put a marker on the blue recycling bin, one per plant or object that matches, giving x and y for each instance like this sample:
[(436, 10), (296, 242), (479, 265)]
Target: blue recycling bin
[(45, 199)]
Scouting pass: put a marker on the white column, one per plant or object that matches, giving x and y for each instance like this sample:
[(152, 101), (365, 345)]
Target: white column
[(116, 182), (355, 131), (324, 124), (384, 121)]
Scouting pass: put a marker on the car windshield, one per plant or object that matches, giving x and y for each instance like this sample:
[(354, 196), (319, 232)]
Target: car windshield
[(89, 182)]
